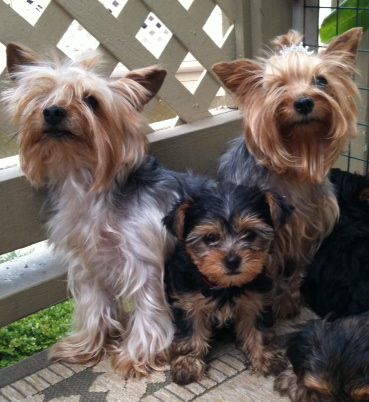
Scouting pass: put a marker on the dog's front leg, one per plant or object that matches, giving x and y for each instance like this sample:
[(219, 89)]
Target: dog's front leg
[(149, 332), (189, 347), (255, 342), (95, 320)]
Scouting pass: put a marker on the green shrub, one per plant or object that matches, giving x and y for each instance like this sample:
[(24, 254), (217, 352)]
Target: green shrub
[(35, 333)]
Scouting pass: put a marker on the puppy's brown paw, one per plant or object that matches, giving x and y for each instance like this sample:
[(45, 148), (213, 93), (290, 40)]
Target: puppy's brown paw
[(187, 369), (286, 384), (271, 362), (283, 382)]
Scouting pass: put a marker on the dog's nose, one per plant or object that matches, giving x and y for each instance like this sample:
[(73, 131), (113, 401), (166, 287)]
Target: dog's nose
[(53, 115), (304, 105), (232, 261)]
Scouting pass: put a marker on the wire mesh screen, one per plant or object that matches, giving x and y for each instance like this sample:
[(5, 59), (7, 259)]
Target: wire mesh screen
[(323, 20)]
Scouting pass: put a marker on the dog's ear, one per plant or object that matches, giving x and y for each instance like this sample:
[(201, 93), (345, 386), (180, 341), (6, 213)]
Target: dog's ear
[(346, 45), (139, 86), (238, 73), (317, 384), (361, 394), (150, 78), (280, 210), (175, 220), (18, 55)]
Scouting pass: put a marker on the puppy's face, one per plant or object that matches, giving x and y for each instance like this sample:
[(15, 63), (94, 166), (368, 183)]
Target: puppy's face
[(228, 232), (331, 361), (230, 251), (71, 119)]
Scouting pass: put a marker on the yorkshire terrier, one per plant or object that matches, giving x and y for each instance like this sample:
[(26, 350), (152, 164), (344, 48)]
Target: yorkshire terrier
[(80, 135), (299, 110), (337, 280), (330, 362), (217, 273)]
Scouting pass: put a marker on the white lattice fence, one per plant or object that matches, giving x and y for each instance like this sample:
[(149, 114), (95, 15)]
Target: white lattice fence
[(119, 37)]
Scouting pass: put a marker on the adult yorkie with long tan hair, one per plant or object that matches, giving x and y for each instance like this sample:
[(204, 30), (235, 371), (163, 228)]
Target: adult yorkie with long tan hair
[(299, 110), (80, 135)]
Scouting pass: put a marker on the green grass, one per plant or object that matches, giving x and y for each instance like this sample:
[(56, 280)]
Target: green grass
[(35, 333)]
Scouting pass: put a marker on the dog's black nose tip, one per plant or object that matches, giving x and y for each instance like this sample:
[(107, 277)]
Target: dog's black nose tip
[(53, 115), (304, 105), (232, 261)]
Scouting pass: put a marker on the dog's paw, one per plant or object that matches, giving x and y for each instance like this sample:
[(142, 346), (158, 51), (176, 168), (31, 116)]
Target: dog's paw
[(187, 369), (270, 362), (128, 368), (282, 382), (285, 384)]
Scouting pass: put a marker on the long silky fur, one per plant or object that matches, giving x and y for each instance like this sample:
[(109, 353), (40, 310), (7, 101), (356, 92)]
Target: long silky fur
[(293, 159), (106, 201)]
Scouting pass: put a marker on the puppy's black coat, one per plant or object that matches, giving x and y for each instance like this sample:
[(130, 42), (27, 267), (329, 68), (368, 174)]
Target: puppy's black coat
[(337, 281), (330, 362)]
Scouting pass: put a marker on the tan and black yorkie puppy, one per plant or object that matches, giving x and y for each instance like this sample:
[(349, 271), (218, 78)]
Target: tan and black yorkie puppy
[(299, 110), (217, 273), (80, 135), (330, 362)]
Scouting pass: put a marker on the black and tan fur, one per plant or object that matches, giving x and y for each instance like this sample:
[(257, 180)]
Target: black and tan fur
[(329, 362), (217, 274)]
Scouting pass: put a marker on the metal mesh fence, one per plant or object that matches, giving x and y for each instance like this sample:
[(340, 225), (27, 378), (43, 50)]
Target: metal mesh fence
[(324, 19)]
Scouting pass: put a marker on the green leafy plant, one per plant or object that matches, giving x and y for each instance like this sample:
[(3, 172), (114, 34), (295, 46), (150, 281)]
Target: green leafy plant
[(352, 13), (35, 333)]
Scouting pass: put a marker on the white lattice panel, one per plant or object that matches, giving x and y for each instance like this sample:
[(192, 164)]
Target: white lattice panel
[(185, 37)]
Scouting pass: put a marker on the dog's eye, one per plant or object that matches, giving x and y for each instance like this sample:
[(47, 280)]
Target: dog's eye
[(248, 235), (321, 82), (211, 239), (91, 101)]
